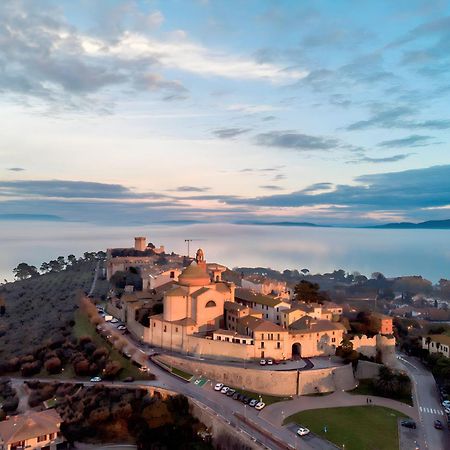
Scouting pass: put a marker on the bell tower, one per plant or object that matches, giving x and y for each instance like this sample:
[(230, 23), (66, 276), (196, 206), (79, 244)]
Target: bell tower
[(200, 259)]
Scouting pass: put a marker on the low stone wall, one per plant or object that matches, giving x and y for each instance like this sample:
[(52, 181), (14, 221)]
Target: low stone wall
[(272, 382), (367, 369)]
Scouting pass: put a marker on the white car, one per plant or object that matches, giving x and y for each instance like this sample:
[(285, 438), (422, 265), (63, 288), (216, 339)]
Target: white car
[(446, 403), (121, 327), (260, 405), (302, 431), (269, 362), (224, 390), (114, 320), (253, 402), (262, 362), (95, 379), (218, 387)]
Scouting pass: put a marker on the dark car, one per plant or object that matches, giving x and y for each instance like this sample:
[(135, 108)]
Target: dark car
[(438, 425), (246, 400), (236, 396), (408, 423), (230, 392)]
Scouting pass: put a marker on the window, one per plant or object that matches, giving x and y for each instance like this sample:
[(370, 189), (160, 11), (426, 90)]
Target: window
[(51, 436), (278, 336), (227, 339), (333, 339), (176, 329), (244, 341), (210, 304), (154, 324), (262, 335), (262, 344), (42, 438), (165, 328), (172, 274), (219, 338), (267, 316), (278, 345)]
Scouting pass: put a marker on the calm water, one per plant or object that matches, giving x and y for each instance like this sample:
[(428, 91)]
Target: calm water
[(392, 252)]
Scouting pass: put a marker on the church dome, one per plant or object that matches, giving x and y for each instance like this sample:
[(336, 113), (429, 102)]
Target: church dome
[(194, 275)]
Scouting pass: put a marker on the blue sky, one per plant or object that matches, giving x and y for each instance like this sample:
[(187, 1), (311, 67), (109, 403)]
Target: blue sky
[(138, 111)]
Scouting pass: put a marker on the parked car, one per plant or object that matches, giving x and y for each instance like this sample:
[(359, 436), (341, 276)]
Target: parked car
[(231, 392), (253, 402), (408, 424), (262, 362), (224, 390), (446, 403), (236, 396), (218, 387), (260, 405), (438, 425), (246, 400), (269, 362), (114, 320), (302, 431), (128, 380), (95, 379), (122, 327)]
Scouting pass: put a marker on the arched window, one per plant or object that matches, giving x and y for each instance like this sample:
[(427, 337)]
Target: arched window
[(210, 304)]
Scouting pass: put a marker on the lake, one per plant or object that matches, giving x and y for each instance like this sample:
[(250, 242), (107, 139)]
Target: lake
[(392, 252)]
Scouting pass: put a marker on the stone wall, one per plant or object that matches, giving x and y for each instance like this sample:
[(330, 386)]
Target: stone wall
[(272, 382), (367, 369)]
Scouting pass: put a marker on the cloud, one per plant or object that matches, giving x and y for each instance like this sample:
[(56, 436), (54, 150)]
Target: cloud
[(386, 159), (410, 141), (252, 109), (228, 133), (398, 117), (296, 141), (16, 169), (409, 190), (191, 189), (272, 187), (69, 189)]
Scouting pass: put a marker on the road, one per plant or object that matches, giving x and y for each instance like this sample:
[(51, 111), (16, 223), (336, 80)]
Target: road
[(426, 398)]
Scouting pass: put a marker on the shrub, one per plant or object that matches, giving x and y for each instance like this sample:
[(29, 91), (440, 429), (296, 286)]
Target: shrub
[(81, 367), (10, 405), (112, 369), (30, 369), (101, 352), (53, 365)]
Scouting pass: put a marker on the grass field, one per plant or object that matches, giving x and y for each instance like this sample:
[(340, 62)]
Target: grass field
[(356, 427), (84, 328), (365, 387), (181, 373)]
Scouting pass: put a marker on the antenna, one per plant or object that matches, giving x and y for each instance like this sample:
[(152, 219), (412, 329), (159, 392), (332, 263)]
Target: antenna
[(188, 241)]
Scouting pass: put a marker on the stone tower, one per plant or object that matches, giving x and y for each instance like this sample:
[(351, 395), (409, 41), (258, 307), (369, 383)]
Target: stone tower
[(140, 243)]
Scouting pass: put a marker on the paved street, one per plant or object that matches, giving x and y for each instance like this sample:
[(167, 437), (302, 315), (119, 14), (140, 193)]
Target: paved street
[(427, 400)]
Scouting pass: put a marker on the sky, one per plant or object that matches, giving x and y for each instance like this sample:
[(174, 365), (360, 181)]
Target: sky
[(130, 112)]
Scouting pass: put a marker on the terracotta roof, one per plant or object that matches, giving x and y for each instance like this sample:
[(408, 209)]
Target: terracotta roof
[(249, 322), (249, 296), (194, 275), (233, 306), (223, 287), (309, 325), (440, 338), (201, 291), (265, 325), (177, 292), (28, 426)]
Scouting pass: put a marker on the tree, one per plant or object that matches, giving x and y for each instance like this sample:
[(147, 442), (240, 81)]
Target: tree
[(71, 260), (62, 262), (24, 271), (308, 292), (55, 266), (53, 365), (304, 271), (45, 267)]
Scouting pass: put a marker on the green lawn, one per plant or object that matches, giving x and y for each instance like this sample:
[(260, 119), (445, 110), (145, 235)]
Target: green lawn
[(365, 387), (267, 399), (84, 328), (358, 427), (181, 373)]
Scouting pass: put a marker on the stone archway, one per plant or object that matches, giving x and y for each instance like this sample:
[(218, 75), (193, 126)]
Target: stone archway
[(296, 350)]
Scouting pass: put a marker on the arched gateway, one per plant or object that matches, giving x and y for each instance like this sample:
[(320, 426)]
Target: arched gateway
[(296, 350)]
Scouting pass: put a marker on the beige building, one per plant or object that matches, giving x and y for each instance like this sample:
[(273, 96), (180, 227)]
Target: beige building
[(437, 343), (206, 316), (265, 286), (33, 431)]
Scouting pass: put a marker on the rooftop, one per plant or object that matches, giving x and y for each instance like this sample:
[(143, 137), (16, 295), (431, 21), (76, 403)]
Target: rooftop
[(31, 425), (440, 338), (249, 296)]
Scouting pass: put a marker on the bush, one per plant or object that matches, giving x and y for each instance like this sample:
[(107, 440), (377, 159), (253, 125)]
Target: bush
[(10, 405), (81, 367), (101, 352), (53, 365), (30, 369), (112, 369)]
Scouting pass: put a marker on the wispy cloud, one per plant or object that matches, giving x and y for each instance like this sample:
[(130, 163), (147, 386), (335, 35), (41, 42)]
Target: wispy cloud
[(380, 160), (229, 133), (295, 141), (191, 189), (409, 141), (16, 169)]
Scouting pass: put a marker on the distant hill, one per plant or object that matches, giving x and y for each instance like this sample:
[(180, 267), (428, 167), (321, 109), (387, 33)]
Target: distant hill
[(40, 217), (430, 224), (280, 224)]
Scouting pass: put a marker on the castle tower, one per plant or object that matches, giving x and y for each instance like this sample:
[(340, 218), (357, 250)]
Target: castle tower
[(140, 243)]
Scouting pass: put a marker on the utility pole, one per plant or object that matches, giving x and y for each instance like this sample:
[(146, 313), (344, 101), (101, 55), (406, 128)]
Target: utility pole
[(188, 241)]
